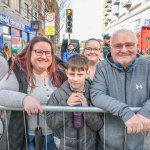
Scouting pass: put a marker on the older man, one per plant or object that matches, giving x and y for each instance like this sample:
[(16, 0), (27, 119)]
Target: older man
[(3, 67), (121, 81)]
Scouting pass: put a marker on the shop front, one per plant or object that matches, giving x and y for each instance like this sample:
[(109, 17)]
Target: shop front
[(14, 33)]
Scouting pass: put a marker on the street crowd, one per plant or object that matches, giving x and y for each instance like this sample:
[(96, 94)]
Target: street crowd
[(114, 82)]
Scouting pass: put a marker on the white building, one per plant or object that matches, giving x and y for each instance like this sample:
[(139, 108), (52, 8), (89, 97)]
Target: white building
[(131, 14)]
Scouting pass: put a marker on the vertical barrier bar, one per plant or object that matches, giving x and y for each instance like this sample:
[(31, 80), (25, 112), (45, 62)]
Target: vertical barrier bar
[(104, 131), (84, 130), (64, 130)]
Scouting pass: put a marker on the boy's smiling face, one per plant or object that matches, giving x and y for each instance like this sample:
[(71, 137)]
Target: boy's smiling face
[(76, 78)]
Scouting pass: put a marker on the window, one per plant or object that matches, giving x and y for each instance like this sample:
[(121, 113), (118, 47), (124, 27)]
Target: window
[(5, 1), (16, 5), (148, 39), (26, 10), (34, 15)]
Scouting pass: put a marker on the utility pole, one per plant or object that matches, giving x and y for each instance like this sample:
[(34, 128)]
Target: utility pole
[(69, 38)]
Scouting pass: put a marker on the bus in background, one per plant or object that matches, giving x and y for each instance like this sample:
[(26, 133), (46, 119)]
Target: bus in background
[(144, 40)]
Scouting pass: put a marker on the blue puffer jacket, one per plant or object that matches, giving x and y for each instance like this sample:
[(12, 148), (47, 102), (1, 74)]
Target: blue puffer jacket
[(67, 54)]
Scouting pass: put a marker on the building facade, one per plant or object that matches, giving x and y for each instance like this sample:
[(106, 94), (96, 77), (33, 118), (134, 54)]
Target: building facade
[(15, 21), (132, 14)]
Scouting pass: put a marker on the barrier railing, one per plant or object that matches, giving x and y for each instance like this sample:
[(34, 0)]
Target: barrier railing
[(68, 109), (63, 109)]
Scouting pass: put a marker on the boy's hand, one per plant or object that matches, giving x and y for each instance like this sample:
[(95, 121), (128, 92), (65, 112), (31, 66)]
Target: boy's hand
[(73, 100), (82, 99)]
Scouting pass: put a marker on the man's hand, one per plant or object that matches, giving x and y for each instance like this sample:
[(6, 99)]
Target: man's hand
[(134, 125), (32, 105), (145, 121)]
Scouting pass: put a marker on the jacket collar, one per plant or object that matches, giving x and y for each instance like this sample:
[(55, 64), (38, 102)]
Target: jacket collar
[(68, 89), (119, 66)]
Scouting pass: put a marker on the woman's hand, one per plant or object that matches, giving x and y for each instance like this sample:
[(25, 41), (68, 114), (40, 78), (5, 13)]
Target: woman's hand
[(32, 105)]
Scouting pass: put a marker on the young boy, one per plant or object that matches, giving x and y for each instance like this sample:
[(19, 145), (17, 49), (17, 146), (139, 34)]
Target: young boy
[(77, 130)]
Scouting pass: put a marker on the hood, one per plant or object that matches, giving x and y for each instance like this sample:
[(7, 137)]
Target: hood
[(118, 66)]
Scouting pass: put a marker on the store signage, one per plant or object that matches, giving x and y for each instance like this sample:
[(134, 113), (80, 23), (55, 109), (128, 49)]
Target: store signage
[(11, 22), (4, 19), (17, 24)]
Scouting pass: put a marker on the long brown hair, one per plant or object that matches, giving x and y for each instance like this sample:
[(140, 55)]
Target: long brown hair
[(23, 61)]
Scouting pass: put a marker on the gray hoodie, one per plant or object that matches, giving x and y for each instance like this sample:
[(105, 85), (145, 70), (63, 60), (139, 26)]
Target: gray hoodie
[(115, 90), (56, 122)]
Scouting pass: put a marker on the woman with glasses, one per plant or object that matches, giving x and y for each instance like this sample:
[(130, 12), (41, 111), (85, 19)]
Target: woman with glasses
[(33, 76), (92, 51)]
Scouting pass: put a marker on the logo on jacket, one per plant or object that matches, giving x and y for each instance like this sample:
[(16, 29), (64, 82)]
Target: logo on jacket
[(139, 86)]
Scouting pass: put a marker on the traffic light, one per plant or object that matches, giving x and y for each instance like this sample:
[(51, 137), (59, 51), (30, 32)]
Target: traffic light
[(69, 20)]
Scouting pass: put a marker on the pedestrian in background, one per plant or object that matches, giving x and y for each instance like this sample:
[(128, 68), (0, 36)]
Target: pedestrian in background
[(6, 51), (76, 132), (69, 52), (106, 47), (11, 59), (122, 81), (32, 77)]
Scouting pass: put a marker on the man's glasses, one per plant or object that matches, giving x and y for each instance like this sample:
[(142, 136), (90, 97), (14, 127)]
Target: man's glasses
[(39, 52), (89, 49), (119, 46)]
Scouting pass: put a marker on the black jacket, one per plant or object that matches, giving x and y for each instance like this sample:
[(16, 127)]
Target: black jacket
[(18, 123), (17, 128)]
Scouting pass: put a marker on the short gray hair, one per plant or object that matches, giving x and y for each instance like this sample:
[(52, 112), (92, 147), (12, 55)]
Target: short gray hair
[(123, 31)]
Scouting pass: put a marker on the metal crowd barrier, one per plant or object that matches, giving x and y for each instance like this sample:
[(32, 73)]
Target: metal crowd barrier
[(61, 109), (68, 109)]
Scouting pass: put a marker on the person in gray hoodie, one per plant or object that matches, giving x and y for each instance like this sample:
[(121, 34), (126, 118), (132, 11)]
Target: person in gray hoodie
[(78, 131), (122, 81)]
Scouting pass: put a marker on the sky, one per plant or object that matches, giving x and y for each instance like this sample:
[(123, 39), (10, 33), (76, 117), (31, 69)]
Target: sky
[(87, 18)]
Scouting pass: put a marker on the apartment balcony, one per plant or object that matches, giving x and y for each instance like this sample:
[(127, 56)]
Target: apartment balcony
[(106, 14), (116, 2), (116, 13), (108, 19), (126, 3), (106, 5), (109, 1), (109, 9)]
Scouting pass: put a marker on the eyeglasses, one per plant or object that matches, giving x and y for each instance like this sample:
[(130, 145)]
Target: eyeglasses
[(119, 46), (39, 52), (89, 49)]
